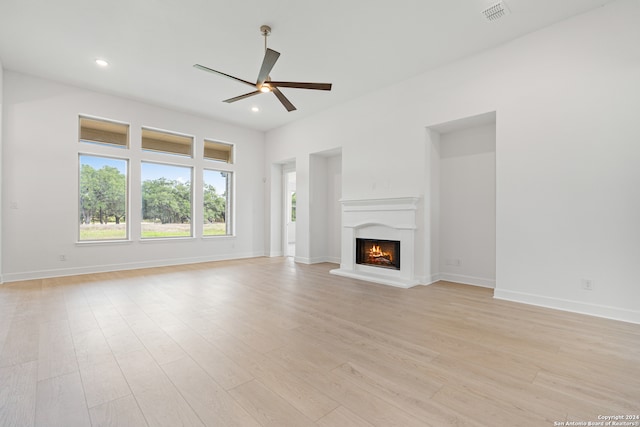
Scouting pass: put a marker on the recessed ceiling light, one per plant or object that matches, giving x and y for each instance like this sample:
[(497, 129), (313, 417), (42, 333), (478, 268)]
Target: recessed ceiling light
[(102, 62), (255, 109)]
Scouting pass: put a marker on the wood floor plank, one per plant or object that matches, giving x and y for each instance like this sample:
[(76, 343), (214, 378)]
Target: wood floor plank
[(359, 400), (18, 394), (21, 343), (342, 417), (141, 371), (405, 394), (164, 406), (103, 382), (91, 348), (209, 400), (60, 402), (162, 347), (122, 412), (222, 369), (267, 407), (298, 393)]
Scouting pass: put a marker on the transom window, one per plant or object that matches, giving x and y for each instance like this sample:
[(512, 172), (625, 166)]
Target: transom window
[(218, 151), (166, 142), (106, 132)]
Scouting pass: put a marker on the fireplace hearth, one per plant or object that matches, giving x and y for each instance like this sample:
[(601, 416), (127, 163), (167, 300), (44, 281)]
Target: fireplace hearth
[(378, 253)]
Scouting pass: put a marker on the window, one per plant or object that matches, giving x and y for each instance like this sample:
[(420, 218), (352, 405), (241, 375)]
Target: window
[(218, 151), (217, 203), (293, 207), (166, 142), (167, 162), (103, 198), (166, 200), (104, 132)]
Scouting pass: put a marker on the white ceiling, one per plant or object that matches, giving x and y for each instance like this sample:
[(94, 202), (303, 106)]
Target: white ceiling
[(151, 46)]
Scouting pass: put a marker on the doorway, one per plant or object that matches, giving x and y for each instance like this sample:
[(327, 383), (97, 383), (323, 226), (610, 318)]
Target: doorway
[(289, 210)]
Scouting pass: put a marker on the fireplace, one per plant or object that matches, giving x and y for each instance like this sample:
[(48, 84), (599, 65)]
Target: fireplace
[(374, 232), (378, 253)]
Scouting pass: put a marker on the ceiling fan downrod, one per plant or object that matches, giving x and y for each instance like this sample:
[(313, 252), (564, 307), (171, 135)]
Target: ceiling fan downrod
[(266, 32)]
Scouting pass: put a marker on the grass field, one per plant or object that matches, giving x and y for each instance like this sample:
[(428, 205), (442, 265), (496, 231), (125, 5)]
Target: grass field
[(149, 230), (103, 231)]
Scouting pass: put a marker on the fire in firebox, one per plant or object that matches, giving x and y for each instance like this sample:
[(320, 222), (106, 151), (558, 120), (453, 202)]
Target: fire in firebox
[(378, 253), (378, 256)]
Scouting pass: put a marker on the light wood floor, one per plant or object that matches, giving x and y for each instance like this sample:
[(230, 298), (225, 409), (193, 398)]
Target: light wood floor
[(266, 342)]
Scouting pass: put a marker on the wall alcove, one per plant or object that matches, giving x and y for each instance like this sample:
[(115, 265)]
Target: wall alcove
[(463, 200)]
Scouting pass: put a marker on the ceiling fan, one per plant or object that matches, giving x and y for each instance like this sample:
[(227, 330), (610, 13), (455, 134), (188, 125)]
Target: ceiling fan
[(264, 83)]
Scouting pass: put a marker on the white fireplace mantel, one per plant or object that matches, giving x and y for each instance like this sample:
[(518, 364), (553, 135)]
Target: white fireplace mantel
[(386, 219)]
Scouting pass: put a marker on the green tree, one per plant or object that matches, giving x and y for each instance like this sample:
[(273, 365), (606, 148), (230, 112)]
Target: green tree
[(112, 190), (182, 193), (166, 201), (214, 205), (88, 196), (293, 207), (102, 194)]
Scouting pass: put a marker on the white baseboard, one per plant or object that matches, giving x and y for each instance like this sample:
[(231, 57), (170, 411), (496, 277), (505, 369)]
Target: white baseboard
[(467, 280), (608, 312), (317, 260), (429, 280), (74, 271), (275, 254)]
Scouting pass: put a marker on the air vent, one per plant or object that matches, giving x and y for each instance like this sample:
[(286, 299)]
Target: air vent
[(496, 11)]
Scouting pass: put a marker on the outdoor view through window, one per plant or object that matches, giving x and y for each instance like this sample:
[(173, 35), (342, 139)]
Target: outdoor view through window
[(103, 198), (216, 206), (166, 200)]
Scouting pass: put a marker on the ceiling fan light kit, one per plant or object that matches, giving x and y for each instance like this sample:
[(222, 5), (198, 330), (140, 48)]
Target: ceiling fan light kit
[(264, 83)]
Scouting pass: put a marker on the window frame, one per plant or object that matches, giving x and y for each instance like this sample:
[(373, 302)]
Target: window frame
[(127, 227), (192, 169)]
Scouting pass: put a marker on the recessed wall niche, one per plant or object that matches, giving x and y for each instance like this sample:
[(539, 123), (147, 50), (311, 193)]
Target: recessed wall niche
[(463, 200)]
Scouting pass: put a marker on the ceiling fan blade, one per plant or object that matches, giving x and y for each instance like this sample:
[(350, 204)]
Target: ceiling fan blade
[(270, 58), (287, 104), (297, 85), (238, 98), (209, 70)]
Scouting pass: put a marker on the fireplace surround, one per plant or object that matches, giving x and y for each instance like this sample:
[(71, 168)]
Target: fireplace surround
[(381, 220)]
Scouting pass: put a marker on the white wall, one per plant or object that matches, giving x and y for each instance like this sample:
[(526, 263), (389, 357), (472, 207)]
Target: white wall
[(431, 234), (334, 209), (40, 174), (567, 99), (325, 209), (318, 208), (467, 226), (1, 161)]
